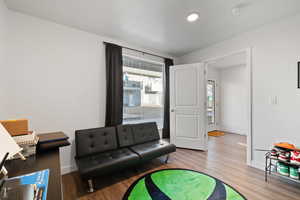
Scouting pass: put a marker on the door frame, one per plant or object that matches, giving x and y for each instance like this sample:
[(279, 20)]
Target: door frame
[(248, 52)]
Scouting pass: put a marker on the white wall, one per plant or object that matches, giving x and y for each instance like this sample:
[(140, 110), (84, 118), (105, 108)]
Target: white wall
[(275, 53), (3, 13), (59, 79), (59, 84), (4, 81), (233, 100)]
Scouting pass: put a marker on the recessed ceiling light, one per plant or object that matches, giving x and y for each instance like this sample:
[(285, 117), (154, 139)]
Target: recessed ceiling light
[(192, 17)]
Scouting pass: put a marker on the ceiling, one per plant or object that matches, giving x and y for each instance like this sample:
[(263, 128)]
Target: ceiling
[(234, 60), (160, 24)]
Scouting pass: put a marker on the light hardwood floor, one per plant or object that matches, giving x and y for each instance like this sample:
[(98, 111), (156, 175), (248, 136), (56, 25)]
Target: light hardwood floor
[(226, 160)]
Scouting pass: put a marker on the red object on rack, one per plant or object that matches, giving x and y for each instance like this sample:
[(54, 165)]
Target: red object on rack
[(295, 157)]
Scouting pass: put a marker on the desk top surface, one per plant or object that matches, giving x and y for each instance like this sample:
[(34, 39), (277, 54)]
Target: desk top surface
[(45, 160)]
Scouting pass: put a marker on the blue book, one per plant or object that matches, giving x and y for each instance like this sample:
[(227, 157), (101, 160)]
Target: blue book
[(39, 178)]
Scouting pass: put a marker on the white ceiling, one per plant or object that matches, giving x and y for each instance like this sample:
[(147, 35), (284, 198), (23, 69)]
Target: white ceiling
[(234, 60), (160, 24)]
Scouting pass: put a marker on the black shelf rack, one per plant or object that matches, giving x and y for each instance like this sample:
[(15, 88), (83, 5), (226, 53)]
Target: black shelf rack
[(271, 168)]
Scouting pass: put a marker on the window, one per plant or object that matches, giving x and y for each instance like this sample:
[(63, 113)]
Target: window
[(143, 91), (211, 102)]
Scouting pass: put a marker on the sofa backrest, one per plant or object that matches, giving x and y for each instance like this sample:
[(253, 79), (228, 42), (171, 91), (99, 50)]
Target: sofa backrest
[(145, 132), (125, 135), (96, 140)]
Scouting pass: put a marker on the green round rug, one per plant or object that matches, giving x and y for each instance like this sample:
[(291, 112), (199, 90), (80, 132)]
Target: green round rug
[(180, 184)]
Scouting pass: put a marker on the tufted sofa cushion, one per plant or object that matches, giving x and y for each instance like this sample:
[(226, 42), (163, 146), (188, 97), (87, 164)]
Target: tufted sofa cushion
[(145, 132), (125, 135), (107, 162), (96, 140)]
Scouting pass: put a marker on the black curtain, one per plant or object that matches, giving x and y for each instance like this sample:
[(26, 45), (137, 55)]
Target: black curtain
[(114, 85), (166, 128)]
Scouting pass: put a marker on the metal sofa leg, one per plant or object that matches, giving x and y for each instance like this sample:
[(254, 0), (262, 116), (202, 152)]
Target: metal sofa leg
[(91, 185), (167, 159)]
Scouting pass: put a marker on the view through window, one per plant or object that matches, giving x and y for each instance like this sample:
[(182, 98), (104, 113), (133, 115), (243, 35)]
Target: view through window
[(211, 101), (143, 91)]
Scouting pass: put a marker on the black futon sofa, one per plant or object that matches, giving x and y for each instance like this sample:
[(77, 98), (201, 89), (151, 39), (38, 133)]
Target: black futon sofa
[(105, 150)]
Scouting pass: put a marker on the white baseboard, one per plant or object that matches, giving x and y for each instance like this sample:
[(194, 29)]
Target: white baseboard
[(68, 169), (258, 165), (229, 130)]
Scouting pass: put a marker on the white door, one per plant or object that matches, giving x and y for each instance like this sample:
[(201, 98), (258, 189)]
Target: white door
[(188, 106)]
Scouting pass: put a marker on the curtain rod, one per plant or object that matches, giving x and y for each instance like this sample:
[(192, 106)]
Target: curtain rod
[(143, 52)]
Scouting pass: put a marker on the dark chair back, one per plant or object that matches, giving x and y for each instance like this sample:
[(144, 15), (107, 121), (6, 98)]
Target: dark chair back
[(125, 135), (96, 140), (145, 132)]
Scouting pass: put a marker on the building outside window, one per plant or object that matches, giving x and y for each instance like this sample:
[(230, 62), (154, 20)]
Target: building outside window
[(211, 104), (143, 91)]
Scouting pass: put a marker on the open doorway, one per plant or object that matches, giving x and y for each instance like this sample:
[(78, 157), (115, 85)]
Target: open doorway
[(229, 100)]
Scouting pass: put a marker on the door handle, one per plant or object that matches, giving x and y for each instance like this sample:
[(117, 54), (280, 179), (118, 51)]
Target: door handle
[(172, 110)]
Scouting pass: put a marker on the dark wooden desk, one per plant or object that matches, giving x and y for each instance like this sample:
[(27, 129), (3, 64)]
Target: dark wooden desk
[(44, 160)]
